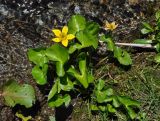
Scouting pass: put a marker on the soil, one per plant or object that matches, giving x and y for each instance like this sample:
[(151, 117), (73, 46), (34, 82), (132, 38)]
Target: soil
[(27, 24)]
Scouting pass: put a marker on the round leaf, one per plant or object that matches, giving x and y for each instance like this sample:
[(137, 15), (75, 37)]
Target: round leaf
[(122, 56), (18, 94), (37, 57), (60, 55), (89, 36), (40, 75), (76, 23)]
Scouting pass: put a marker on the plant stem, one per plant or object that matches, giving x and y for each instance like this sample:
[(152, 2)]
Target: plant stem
[(135, 45)]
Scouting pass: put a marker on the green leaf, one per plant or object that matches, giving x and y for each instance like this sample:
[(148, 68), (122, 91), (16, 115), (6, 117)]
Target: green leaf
[(109, 41), (104, 38), (37, 57), (110, 44), (94, 107), (128, 101), (66, 99), (158, 15), (122, 56), (147, 26), (40, 74), (74, 47), (65, 84), (89, 36), (117, 52), (131, 112), (14, 93), (100, 85), (82, 77), (90, 78), (56, 101), (59, 100), (157, 46), (60, 55), (102, 108), (109, 91), (92, 28), (104, 96), (143, 41), (110, 108), (76, 23), (101, 97), (54, 89), (115, 102), (157, 58), (145, 31)]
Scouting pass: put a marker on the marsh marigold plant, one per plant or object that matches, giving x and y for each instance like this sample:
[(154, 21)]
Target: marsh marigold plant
[(76, 75), (62, 36)]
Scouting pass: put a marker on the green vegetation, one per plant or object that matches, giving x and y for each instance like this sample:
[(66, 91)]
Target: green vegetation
[(72, 73), (107, 101), (153, 35), (121, 55)]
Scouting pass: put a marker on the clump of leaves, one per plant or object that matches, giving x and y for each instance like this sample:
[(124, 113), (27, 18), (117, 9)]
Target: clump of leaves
[(67, 76), (104, 99), (71, 66), (153, 38), (15, 93)]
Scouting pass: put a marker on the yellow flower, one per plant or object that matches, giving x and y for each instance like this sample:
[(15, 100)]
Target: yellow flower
[(62, 36), (110, 26)]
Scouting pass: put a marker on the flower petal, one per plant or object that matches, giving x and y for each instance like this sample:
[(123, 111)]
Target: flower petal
[(65, 42), (65, 30), (56, 39), (113, 23), (116, 26), (70, 36), (57, 32), (107, 26)]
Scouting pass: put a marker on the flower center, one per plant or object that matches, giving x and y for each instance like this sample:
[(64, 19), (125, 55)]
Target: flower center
[(63, 36)]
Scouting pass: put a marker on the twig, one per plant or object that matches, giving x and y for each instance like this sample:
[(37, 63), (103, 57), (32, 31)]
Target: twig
[(135, 45)]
